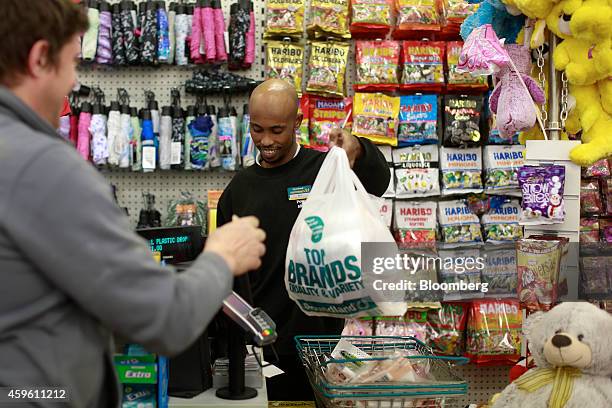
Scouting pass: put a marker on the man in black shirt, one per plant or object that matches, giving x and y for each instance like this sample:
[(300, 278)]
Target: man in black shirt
[(265, 190)]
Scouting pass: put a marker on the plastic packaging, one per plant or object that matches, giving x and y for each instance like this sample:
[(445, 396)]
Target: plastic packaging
[(327, 68), (416, 171), (538, 265), (461, 170), (418, 15), (423, 66), (499, 272), (458, 224), (414, 223), (590, 198), (284, 18), (285, 60), (447, 328), (418, 120), (501, 222), (375, 117), (302, 133), (370, 18), (461, 273), (458, 80), (462, 120), (377, 63), (329, 18), (542, 188), (325, 115), (501, 169)]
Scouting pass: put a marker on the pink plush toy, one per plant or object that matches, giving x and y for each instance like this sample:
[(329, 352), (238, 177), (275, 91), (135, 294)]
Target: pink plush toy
[(510, 101)]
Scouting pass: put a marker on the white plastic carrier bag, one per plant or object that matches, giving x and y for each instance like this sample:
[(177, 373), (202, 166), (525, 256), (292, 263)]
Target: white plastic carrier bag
[(323, 272)]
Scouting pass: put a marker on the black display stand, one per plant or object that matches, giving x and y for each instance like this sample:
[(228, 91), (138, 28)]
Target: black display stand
[(236, 390)]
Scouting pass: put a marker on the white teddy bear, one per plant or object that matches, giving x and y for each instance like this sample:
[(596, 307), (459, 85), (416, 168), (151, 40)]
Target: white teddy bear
[(572, 348)]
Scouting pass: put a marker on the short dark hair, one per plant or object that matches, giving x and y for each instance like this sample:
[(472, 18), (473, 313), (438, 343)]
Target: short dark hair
[(24, 22)]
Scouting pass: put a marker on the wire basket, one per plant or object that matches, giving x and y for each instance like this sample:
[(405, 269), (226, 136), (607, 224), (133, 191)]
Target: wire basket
[(443, 392)]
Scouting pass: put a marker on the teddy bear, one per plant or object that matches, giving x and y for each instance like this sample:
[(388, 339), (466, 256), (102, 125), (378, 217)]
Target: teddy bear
[(591, 20), (572, 349), (535, 8), (495, 12)]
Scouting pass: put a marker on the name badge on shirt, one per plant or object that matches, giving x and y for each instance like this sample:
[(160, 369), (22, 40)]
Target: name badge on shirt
[(298, 194)]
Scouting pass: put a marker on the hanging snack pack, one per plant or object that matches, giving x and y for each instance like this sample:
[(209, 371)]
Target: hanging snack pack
[(325, 114), (460, 80), (329, 18), (494, 332), (302, 133), (375, 117), (600, 168), (327, 67), (418, 120), (462, 120), (417, 15), (370, 18), (415, 223), (461, 170), (423, 66), (284, 18), (284, 60), (590, 198), (499, 272), (462, 278), (458, 224), (416, 171), (542, 189), (501, 169), (538, 264), (447, 328), (501, 222), (377, 63)]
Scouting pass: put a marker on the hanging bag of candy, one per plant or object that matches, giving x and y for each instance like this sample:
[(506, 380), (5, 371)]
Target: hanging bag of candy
[(375, 117), (542, 188), (329, 18), (418, 120), (501, 222), (285, 60), (462, 120), (458, 224), (417, 16), (370, 18), (414, 224), (377, 63), (284, 18), (461, 170), (416, 171), (422, 65), (455, 12), (325, 115), (327, 68), (501, 169)]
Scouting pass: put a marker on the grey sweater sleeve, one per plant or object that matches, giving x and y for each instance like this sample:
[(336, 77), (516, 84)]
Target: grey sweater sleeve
[(62, 217)]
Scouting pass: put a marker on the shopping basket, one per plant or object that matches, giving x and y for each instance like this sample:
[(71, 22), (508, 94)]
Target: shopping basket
[(443, 392)]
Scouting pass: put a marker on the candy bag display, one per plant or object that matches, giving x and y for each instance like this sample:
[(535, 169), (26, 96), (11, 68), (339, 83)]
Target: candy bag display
[(375, 117), (284, 18), (417, 15), (589, 230), (302, 133), (590, 198), (538, 264), (376, 63), (416, 171), (458, 10), (418, 120), (458, 224), (323, 268), (327, 67), (462, 120), (447, 328), (494, 332), (542, 189), (562, 286), (422, 65), (284, 60), (370, 18), (325, 114), (600, 168), (594, 275), (460, 80), (607, 195), (501, 222), (415, 223), (501, 169), (499, 272), (461, 170), (329, 17), (461, 281)]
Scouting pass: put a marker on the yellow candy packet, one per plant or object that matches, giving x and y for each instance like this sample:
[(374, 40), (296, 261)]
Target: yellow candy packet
[(327, 67), (375, 117), (284, 18), (284, 60)]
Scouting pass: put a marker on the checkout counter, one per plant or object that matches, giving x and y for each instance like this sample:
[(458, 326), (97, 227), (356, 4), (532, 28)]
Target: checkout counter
[(190, 382)]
